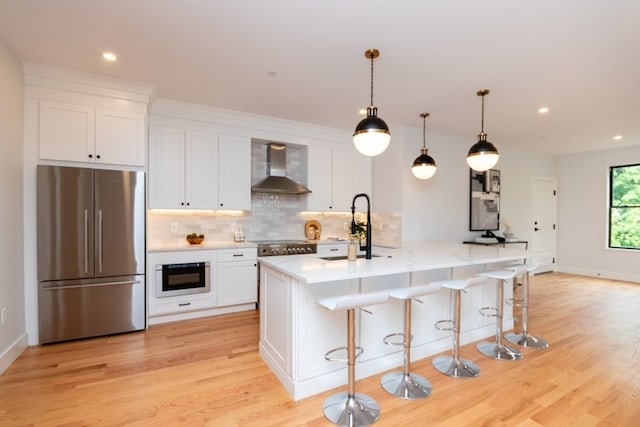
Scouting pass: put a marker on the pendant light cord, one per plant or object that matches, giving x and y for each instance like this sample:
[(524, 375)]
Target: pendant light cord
[(424, 131), (372, 57), (482, 119)]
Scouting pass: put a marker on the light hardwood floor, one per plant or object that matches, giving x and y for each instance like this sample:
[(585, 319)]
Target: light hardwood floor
[(208, 372)]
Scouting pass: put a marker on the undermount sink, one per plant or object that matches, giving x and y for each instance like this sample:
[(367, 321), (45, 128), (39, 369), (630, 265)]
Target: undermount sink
[(341, 257)]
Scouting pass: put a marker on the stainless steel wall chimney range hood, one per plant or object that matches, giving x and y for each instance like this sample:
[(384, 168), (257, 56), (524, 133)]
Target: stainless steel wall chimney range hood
[(277, 180)]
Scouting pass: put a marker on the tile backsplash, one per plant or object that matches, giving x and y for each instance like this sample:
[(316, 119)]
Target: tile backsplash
[(272, 217)]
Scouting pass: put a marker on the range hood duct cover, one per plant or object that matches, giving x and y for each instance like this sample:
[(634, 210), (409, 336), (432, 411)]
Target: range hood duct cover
[(277, 180)]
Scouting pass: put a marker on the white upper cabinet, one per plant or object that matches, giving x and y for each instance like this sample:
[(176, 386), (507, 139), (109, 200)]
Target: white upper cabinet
[(235, 172), (335, 176), (66, 131), (83, 133), (121, 137), (194, 169), (86, 118), (166, 168)]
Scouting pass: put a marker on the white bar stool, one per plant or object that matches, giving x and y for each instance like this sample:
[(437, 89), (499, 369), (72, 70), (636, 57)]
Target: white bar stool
[(523, 338), (454, 365), (351, 408), (497, 349), (405, 384)]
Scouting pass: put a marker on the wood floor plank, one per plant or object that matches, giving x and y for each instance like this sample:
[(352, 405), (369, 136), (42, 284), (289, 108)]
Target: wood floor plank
[(207, 372)]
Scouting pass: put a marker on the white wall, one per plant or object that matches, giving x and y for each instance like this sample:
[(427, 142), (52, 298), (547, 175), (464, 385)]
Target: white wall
[(12, 332), (583, 181), (437, 209)]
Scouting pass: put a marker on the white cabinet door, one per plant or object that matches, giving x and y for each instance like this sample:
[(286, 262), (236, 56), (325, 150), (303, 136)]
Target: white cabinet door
[(335, 176), (319, 179), (201, 174), (167, 168), (234, 172), (67, 131), (120, 137), (238, 282)]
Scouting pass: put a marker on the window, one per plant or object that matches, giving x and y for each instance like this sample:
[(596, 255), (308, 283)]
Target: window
[(624, 207)]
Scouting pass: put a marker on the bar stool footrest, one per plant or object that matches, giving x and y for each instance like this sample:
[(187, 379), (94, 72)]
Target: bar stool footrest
[(387, 339), (489, 311), (439, 325), (327, 355), (516, 302)]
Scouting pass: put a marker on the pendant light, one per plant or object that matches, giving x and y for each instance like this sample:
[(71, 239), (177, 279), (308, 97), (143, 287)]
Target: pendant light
[(424, 166), (483, 155), (372, 135)]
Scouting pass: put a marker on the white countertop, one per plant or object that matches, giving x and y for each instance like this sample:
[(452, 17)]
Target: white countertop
[(412, 256), (206, 245)]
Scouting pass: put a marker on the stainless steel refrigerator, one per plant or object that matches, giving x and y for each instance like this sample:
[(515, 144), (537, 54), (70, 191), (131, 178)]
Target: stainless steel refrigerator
[(91, 252)]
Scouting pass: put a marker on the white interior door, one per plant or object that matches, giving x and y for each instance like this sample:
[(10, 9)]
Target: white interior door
[(544, 214)]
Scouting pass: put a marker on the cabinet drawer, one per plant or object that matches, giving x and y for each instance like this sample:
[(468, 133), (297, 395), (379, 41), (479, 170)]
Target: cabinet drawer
[(244, 254), (339, 249), (180, 304)]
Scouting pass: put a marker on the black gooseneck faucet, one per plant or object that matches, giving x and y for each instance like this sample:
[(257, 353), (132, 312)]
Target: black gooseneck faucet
[(353, 222)]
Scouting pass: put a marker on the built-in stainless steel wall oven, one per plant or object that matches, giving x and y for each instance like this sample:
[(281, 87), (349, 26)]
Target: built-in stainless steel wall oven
[(183, 278)]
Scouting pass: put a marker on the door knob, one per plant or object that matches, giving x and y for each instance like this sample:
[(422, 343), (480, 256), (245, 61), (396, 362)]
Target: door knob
[(536, 229)]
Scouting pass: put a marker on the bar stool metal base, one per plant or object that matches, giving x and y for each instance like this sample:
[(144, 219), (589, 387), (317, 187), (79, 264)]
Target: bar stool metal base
[(526, 340), (500, 352), (461, 368), (351, 410), (406, 386)]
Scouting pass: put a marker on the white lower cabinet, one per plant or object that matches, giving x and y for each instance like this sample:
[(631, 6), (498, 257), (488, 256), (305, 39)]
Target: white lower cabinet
[(233, 284), (237, 276), (159, 306)]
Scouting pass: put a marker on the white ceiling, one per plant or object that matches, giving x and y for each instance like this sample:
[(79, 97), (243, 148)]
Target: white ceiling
[(580, 58)]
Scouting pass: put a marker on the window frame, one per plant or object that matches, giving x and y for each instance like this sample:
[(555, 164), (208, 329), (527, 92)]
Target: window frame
[(611, 207)]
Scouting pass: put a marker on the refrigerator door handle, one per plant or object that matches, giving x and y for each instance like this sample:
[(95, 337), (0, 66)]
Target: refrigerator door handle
[(100, 240), (91, 285), (86, 242)]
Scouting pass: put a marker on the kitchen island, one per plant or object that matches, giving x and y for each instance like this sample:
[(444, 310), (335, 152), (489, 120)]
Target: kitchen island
[(295, 332)]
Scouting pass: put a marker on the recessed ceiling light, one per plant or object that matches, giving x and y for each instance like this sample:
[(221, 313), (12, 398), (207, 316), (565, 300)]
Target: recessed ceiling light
[(543, 110), (617, 137), (109, 56)]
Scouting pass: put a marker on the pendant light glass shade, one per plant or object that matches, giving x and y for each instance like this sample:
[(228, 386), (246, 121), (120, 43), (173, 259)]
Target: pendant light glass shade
[(482, 155), (372, 135), (424, 166)]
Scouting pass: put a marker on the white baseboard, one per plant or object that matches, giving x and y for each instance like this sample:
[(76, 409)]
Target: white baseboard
[(12, 352), (613, 275), (172, 317)]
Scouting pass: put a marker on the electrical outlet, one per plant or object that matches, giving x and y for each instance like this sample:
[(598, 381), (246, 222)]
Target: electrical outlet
[(174, 227), (345, 226), (3, 315)]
